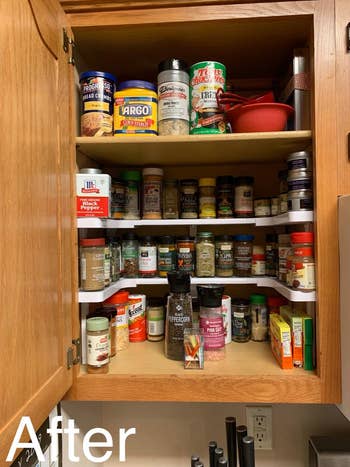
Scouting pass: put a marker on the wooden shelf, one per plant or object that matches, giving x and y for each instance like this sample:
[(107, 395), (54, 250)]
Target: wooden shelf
[(195, 149), (292, 295), (248, 373)]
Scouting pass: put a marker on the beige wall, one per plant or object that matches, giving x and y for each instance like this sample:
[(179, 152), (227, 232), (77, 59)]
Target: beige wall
[(167, 434)]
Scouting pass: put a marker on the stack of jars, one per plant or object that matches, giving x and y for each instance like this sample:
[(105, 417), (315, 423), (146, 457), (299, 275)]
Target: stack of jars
[(300, 196)]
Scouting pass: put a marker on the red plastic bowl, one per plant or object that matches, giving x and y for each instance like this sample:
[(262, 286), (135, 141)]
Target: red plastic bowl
[(258, 117)]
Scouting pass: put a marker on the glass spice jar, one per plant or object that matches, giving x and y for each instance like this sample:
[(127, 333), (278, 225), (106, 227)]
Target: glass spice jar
[(107, 265), (283, 204), (241, 320), (303, 263), (284, 250), (115, 259), (275, 205), (166, 255), (155, 317), (118, 198), (170, 199), (148, 257), (97, 339), (152, 193), (130, 255), (244, 197), (271, 253), (92, 257), (223, 256), (259, 317), (132, 179), (207, 200), (111, 314), (258, 261), (205, 255), (189, 199), (262, 207), (243, 255), (224, 198), (186, 255)]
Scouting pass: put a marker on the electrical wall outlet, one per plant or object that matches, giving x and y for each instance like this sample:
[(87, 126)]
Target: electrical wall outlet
[(259, 424)]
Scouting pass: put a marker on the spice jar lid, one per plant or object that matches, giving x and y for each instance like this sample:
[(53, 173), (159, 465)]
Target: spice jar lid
[(130, 236), (118, 180), (244, 238), (172, 64), (153, 171), (185, 238), (276, 301), (258, 257), (244, 180), (155, 302), (179, 282), (90, 171), (225, 180), (97, 324), (170, 181), (166, 240), (223, 238), (302, 237), (284, 238), (98, 74), (240, 302), (131, 175), (205, 235), (189, 181), (147, 239), (210, 295), (120, 297), (137, 83), (207, 181), (92, 242), (105, 312), (257, 299), (271, 238)]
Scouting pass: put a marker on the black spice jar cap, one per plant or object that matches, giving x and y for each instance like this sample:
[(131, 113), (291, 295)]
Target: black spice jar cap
[(147, 238), (225, 180), (210, 296), (179, 282), (130, 236), (185, 238), (172, 64), (223, 238), (166, 240), (273, 238), (244, 180)]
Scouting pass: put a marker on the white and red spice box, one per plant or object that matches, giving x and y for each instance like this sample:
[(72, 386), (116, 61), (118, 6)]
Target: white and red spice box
[(93, 193)]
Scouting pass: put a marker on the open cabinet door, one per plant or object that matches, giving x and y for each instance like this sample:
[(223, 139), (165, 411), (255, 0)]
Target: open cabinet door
[(36, 294)]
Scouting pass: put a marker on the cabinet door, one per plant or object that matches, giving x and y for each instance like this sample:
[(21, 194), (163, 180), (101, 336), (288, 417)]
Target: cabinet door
[(36, 214)]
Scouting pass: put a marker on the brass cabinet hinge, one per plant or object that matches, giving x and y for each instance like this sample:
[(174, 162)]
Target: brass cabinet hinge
[(71, 361), (69, 47)]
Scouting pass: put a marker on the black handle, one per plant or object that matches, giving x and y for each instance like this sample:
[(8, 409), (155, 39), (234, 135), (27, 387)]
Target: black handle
[(194, 459), (248, 451), (241, 433), (219, 452), (231, 441), (212, 446)]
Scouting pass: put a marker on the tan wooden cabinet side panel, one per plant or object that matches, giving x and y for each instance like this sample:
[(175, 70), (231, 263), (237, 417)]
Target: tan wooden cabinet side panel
[(36, 208)]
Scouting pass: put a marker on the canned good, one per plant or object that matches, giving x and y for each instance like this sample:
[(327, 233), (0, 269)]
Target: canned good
[(300, 200), (262, 207), (135, 109), (299, 160), (96, 103), (205, 79), (300, 179), (137, 318)]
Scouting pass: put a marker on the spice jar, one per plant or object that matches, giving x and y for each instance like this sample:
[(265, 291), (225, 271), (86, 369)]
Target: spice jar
[(166, 255), (130, 255), (259, 317), (118, 198), (299, 160), (258, 261), (170, 199), (111, 314), (147, 257), (223, 256), (275, 205), (173, 98), (155, 316), (207, 201), (92, 257), (274, 304), (241, 320), (152, 193), (205, 255), (300, 200), (115, 259), (107, 265), (303, 263), (186, 255), (262, 207), (283, 205), (271, 253), (97, 338), (132, 180), (243, 255), (119, 301), (284, 250), (244, 197), (189, 199), (224, 200)]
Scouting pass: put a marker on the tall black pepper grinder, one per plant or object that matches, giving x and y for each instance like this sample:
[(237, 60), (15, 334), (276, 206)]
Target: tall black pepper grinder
[(212, 446), (219, 452), (241, 433), (248, 451), (231, 441), (194, 459)]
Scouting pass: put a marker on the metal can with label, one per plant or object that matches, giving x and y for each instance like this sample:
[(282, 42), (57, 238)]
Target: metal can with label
[(137, 317), (205, 80)]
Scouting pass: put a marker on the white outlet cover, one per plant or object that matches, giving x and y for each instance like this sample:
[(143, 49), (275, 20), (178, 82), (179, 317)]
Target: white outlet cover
[(259, 425)]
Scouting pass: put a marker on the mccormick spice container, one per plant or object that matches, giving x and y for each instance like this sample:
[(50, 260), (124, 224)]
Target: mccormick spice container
[(303, 263), (224, 198), (166, 255), (155, 316), (207, 200), (186, 255), (147, 257), (118, 198), (119, 301), (152, 193), (224, 256), (92, 257), (243, 255), (258, 311), (262, 207), (170, 199), (130, 255), (241, 320), (244, 197), (96, 103), (205, 255), (93, 193), (97, 337), (258, 261), (135, 109), (189, 199), (205, 80), (132, 180), (137, 318), (173, 97)]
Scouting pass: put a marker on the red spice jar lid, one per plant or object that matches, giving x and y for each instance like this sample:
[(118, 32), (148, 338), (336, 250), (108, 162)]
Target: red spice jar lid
[(276, 301), (302, 237), (259, 257), (92, 242), (119, 297)]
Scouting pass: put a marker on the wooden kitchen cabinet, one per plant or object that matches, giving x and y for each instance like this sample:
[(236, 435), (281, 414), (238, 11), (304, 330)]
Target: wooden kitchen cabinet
[(39, 313)]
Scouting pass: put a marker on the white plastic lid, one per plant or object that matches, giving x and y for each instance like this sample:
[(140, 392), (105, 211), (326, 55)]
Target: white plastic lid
[(153, 171)]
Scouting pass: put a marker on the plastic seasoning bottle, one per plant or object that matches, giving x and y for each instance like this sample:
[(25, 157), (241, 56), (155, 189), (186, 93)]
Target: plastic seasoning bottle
[(303, 263), (166, 255), (130, 255), (207, 200), (152, 193), (189, 199), (147, 257), (224, 198), (186, 255), (97, 337), (155, 315), (119, 301), (223, 256), (92, 258), (205, 255), (173, 98), (170, 199), (259, 317), (244, 197), (132, 180), (243, 255)]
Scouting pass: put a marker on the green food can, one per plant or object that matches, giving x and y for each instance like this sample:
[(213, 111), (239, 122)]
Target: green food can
[(205, 79)]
